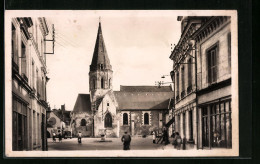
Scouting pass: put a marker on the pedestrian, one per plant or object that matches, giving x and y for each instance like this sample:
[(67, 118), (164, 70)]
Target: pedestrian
[(154, 137), (53, 137), (177, 141), (166, 136), (79, 137), (126, 139), (60, 137)]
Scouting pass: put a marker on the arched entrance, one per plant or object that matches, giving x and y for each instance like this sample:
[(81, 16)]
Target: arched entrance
[(108, 120)]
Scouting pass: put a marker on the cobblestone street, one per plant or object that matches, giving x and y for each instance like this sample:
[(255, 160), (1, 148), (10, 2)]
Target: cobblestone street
[(137, 143)]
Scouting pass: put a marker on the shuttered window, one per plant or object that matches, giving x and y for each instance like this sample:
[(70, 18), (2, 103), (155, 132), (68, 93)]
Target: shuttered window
[(212, 64)]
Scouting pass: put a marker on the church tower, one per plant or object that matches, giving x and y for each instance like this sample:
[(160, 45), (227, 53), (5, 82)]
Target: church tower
[(101, 74)]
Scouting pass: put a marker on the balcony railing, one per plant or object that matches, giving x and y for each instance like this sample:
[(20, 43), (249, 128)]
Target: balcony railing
[(15, 67), (182, 94), (189, 89), (38, 95), (177, 98), (25, 77)]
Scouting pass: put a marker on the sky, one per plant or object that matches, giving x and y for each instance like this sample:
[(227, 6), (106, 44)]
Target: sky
[(138, 45)]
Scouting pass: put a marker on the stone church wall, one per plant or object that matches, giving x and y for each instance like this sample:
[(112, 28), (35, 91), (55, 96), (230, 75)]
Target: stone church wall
[(137, 121), (76, 126)]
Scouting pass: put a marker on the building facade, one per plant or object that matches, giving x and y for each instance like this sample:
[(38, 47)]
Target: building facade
[(213, 43), (202, 79), (138, 110), (29, 103), (58, 121)]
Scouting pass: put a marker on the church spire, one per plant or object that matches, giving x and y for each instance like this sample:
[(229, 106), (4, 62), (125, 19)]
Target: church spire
[(100, 58)]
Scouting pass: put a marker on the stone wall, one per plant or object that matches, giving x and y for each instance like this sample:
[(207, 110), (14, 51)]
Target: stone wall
[(76, 124), (137, 127)]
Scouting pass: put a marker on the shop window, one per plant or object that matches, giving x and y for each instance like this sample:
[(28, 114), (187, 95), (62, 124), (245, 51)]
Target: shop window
[(108, 120), (125, 119), (216, 125)]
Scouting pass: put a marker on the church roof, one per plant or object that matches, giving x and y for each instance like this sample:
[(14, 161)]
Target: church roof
[(83, 103), (145, 88), (143, 100), (100, 53)]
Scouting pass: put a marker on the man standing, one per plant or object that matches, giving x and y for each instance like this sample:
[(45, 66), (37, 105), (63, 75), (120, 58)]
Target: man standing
[(79, 137), (126, 138)]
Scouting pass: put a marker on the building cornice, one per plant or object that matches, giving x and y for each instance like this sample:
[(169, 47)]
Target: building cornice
[(44, 26), (209, 27)]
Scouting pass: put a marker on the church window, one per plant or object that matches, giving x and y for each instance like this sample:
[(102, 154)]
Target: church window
[(109, 83), (146, 119), (94, 84), (125, 119), (83, 122), (108, 104), (108, 120), (102, 83), (101, 66)]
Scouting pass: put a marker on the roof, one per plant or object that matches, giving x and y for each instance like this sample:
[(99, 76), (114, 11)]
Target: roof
[(83, 103), (142, 100), (100, 53), (145, 88)]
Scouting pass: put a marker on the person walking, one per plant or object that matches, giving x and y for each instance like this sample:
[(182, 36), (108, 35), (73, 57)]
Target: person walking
[(177, 140), (126, 139), (79, 137), (60, 137), (53, 137), (154, 137)]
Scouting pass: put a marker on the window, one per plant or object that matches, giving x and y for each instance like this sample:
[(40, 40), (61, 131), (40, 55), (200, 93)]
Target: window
[(43, 89), (14, 53), (125, 119), (83, 122), (229, 50), (102, 83), (177, 83), (33, 76), (108, 120), (24, 63), (146, 119), (216, 125), (191, 124), (109, 83), (37, 81), (101, 66), (94, 84), (108, 104), (182, 79), (212, 64), (184, 124), (189, 73)]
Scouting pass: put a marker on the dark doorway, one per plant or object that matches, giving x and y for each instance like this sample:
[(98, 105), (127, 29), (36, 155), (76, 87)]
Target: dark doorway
[(108, 120)]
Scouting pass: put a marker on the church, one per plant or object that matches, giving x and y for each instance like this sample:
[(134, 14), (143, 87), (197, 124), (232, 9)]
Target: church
[(139, 110)]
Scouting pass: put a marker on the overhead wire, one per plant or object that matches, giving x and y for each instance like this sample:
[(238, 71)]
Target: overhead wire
[(65, 38), (64, 41)]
